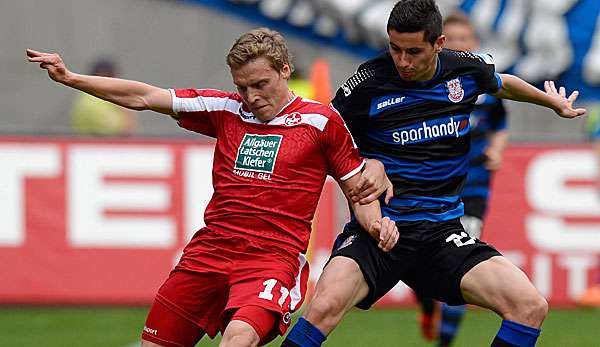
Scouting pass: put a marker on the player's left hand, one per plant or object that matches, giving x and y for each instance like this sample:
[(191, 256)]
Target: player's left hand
[(372, 183), (565, 108)]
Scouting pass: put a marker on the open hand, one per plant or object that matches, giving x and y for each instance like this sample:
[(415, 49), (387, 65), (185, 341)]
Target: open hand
[(565, 109)]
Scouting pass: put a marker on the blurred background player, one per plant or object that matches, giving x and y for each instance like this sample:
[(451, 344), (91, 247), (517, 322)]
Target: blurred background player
[(591, 297), (93, 116), (488, 140)]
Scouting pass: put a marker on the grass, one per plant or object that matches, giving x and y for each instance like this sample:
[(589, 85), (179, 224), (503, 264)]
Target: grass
[(121, 326)]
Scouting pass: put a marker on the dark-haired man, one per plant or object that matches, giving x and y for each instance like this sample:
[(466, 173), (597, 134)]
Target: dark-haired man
[(410, 108), (488, 140)]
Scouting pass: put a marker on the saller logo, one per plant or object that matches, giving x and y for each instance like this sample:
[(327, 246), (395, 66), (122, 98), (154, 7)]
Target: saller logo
[(258, 153), (425, 132)]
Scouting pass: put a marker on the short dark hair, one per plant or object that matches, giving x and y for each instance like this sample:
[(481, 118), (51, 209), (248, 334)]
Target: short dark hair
[(411, 16)]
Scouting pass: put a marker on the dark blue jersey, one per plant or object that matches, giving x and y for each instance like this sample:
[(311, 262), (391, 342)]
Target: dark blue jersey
[(419, 130)]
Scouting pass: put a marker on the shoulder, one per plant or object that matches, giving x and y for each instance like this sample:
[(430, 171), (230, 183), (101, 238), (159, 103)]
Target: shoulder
[(205, 93), (368, 73), (461, 59), (318, 114)]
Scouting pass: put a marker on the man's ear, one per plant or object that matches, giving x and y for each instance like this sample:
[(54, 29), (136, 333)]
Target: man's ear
[(286, 71), (439, 43)]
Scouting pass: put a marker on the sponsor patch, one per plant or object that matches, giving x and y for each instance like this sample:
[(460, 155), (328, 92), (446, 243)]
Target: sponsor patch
[(258, 153), (435, 129)]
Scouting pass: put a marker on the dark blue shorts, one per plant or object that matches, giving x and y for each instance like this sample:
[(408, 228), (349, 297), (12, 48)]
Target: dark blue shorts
[(430, 257)]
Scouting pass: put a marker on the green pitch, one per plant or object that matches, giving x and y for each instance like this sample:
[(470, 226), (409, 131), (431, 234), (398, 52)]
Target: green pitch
[(120, 327)]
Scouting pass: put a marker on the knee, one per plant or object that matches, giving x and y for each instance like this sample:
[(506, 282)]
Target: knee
[(539, 309), (530, 310), (325, 312)]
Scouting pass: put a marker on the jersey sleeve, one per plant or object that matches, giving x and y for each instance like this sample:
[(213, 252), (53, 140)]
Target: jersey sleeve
[(487, 78), (350, 101), (343, 158), (200, 110), (498, 116), (351, 111)]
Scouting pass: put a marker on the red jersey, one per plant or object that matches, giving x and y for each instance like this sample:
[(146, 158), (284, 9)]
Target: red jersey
[(268, 176)]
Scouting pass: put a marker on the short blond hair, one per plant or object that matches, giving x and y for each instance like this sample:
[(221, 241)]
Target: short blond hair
[(261, 42)]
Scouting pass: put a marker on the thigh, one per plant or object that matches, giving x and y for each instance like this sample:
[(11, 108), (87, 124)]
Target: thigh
[(165, 327), (254, 323), (446, 254), (381, 270), (497, 284), (198, 298)]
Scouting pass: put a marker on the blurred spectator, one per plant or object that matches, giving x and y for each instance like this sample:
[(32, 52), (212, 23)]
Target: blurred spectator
[(93, 116)]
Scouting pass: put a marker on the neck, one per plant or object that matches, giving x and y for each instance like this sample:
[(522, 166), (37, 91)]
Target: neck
[(431, 72)]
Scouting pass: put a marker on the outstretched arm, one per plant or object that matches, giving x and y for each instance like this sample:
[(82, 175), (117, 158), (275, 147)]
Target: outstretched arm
[(369, 216), (514, 88), (131, 94)]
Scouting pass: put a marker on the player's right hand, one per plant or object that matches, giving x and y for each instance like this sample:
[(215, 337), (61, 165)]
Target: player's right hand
[(372, 183), (387, 231), (52, 62)]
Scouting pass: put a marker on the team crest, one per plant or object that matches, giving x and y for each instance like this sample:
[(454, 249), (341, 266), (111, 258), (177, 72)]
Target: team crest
[(293, 119), (455, 90)]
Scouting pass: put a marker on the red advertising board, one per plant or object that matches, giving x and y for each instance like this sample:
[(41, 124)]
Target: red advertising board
[(103, 221)]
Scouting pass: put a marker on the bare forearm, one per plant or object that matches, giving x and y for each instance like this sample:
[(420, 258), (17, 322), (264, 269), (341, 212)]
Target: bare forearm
[(514, 88), (126, 93), (365, 214)]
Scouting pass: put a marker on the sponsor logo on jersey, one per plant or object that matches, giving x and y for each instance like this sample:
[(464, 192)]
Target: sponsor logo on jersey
[(346, 89), (293, 119), (425, 131), (258, 153), (388, 101), (455, 90)]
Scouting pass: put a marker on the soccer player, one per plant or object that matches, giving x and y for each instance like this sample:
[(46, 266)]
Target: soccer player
[(591, 296), (488, 140), (410, 109), (245, 271)]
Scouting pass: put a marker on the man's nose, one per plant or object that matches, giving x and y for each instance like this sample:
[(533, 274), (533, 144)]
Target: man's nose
[(404, 61), (253, 95)]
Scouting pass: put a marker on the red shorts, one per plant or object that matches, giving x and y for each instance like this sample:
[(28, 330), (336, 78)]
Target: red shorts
[(217, 275)]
